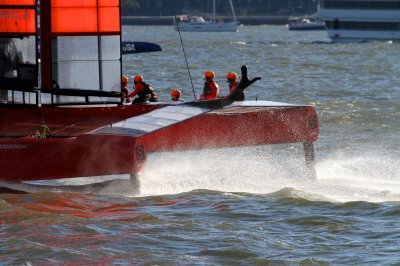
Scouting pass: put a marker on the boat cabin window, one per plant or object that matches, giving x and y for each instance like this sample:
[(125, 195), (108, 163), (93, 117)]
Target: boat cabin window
[(85, 69), (87, 62)]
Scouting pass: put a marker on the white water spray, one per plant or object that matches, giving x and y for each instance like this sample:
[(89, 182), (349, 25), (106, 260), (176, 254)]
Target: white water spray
[(269, 169)]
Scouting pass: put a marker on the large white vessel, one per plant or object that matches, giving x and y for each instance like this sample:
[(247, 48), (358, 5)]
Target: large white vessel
[(361, 20)]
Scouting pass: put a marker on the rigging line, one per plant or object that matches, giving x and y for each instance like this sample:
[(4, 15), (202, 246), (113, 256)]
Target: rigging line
[(109, 109), (72, 125), (84, 120), (183, 49)]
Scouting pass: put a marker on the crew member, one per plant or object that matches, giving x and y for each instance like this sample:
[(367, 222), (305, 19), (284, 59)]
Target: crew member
[(175, 95), (143, 90), (231, 80), (211, 88), (125, 91)]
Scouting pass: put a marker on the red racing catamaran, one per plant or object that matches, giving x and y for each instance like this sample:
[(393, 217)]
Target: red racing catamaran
[(61, 112)]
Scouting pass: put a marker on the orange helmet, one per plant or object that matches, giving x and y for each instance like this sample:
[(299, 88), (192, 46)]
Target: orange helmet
[(137, 79), (124, 79), (209, 74), (176, 93), (231, 76)]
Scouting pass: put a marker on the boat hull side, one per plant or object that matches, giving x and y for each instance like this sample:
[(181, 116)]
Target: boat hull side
[(362, 35), (27, 159), (233, 127), (208, 27)]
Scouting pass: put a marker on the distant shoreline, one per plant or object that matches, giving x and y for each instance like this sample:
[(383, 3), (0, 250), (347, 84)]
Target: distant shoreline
[(168, 20)]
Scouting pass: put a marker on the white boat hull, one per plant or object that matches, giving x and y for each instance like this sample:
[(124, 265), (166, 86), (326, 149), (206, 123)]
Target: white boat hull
[(315, 26), (208, 27)]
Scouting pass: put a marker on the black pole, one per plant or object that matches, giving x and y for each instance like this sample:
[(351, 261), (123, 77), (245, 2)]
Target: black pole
[(310, 159), (135, 183)]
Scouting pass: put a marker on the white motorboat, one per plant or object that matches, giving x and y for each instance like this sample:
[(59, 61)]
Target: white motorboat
[(304, 23)]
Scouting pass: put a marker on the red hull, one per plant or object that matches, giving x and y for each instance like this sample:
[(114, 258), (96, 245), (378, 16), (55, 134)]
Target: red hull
[(70, 152), (238, 126), (27, 158), (39, 159)]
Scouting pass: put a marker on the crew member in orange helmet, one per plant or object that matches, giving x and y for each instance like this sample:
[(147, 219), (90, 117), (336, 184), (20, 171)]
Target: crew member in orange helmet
[(175, 95), (125, 91), (231, 79), (143, 90), (211, 88)]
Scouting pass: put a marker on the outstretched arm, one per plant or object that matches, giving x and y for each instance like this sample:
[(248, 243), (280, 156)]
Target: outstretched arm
[(219, 103)]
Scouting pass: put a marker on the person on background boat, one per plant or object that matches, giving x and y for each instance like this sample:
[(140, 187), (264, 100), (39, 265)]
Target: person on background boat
[(143, 90), (125, 91), (231, 80), (175, 95), (211, 88)]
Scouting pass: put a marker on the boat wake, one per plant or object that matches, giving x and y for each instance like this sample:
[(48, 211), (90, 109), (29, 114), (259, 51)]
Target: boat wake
[(267, 170)]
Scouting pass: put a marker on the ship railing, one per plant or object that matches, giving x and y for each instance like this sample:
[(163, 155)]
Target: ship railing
[(67, 96), (34, 97), (18, 97)]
